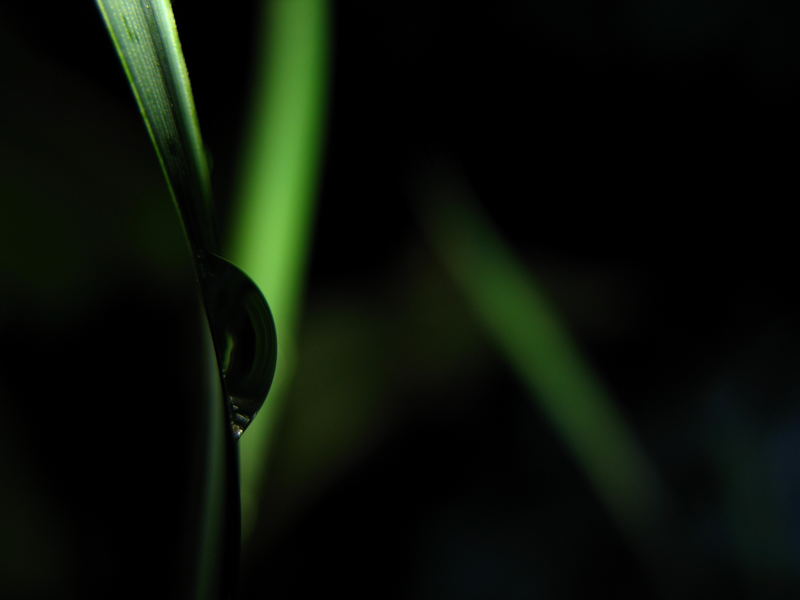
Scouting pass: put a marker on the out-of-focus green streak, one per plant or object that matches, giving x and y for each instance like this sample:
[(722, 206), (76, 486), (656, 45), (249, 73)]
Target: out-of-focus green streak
[(511, 306), (270, 236)]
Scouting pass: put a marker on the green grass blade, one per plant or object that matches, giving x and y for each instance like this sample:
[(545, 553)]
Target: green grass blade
[(516, 314), (146, 40), (271, 231), (241, 323)]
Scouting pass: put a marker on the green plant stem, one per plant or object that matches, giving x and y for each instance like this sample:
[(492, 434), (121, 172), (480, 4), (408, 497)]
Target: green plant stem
[(270, 236)]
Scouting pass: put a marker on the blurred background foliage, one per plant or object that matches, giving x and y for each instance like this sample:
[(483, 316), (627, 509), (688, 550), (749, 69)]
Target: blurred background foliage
[(631, 165)]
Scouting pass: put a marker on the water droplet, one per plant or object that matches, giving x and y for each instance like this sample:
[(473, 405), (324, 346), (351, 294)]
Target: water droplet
[(244, 337)]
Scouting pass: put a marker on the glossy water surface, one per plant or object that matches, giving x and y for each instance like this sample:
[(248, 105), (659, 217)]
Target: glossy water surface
[(244, 337)]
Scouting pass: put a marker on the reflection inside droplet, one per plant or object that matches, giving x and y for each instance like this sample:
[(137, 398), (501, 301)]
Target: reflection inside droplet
[(244, 337)]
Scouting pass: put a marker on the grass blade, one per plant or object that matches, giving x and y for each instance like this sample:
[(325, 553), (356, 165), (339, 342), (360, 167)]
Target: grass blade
[(241, 323), (270, 237), (146, 39), (516, 314)]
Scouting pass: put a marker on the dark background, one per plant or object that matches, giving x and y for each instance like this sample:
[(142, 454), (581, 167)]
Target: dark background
[(637, 155)]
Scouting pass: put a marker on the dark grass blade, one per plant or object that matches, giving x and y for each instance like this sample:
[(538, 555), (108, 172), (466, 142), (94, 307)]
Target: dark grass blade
[(241, 323), (146, 40)]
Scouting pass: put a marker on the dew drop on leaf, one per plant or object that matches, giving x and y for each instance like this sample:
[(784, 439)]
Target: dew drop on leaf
[(244, 337)]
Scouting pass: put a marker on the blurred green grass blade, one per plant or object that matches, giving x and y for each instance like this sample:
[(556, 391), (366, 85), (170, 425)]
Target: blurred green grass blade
[(270, 236), (146, 39), (510, 305)]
